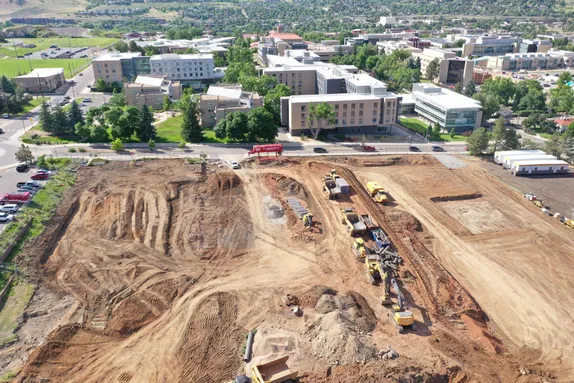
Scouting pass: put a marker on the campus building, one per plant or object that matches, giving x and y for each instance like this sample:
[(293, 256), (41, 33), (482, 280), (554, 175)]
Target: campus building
[(444, 107), (120, 67), (301, 79), (151, 91), (210, 44), (452, 69), (196, 70), (223, 99), (41, 80), (527, 61)]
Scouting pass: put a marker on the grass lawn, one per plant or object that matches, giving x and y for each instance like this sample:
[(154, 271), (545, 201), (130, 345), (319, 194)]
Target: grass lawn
[(18, 297), (45, 42), (421, 127), (169, 131), (34, 103), (11, 67)]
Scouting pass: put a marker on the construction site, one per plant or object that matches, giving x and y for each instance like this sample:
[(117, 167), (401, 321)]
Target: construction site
[(332, 269)]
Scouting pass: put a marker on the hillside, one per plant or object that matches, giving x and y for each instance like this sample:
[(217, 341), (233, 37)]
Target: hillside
[(40, 8)]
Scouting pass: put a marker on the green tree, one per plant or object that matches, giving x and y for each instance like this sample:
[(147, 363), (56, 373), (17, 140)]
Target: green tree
[(151, 144), (319, 114), (99, 133), (501, 87), (499, 132), (75, 115), (145, 130), (150, 50), (458, 87), (429, 131), (167, 104), (490, 104), (113, 115), (452, 133), (511, 141), (133, 47), (236, 126), (477, 142), (60, 121), (273, 101), (220, 129), (567, 141), (470, 89), (528, 144), (437, 128), (82, 130), (7, 85), (45, 118), (120, 46), (191, 128), (534, 100), (117, 99), (128, 122), (554, 145), (117, 145), (261, 85), (432, 70), (261, 125), (24, 154)]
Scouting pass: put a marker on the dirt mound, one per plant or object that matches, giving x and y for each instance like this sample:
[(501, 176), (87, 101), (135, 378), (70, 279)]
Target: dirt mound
[(340, 334), (209, 349), (400, 220), (311, 297)]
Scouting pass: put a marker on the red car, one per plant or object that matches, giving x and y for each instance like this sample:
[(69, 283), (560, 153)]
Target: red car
[(40, 176), (366, 148)]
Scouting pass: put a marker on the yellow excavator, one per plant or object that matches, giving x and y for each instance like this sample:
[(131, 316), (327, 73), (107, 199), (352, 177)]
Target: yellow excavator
[(377, 271), (399, 315), (377, 192), (308, 219), (359, 248)]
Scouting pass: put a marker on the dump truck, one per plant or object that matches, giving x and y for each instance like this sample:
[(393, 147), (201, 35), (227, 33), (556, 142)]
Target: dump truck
[(369, 222), (377, 192), (352, 221), (275, 371), (332, 191), (359, 248)]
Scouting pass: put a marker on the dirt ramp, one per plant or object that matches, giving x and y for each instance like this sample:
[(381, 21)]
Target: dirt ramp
[(210, 348)]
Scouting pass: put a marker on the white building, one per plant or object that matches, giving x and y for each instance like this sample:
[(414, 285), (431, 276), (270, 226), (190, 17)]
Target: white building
[(447, 108), (194, 69), (529, 167), (451, 69), (500, 154), (387, 20)]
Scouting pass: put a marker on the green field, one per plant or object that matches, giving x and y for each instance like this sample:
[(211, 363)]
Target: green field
[(11, 67), (421, 127), (44, 43), (170, 131)]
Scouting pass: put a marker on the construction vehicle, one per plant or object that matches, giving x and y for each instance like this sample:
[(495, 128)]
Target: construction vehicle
[(333, 174), (380, 238), (538, 203), (308, 219), (377, 192), (369, 222), (399, 315), (359, 248), (378, 271), (530, 196), (352, 221), (275, 371), (330, 187), (569, 223)]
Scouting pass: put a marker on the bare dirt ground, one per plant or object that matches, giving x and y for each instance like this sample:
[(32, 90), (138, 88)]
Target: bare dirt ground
[(170, 268)]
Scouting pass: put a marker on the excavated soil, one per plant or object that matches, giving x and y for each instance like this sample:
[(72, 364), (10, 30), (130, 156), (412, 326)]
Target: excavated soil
[(170, 269)]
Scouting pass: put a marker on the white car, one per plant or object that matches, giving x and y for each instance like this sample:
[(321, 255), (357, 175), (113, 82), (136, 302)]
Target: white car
[(5, 217), (234, 164), (9, 208)]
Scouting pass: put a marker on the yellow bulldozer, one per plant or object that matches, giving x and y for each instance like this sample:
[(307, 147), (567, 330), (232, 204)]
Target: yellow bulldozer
[(359, 248), (569, 223), (377, 192)]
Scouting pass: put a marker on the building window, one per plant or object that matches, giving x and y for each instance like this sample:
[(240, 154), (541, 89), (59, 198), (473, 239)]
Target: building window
[(353, 113), (375, 105), (361, 105), (303, 108), (352, 106), (361, 113), (344, 106), (337, 107), (344, 114), (360, 121), (374, 120)]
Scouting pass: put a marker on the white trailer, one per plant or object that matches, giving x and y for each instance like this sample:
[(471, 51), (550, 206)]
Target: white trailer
[(507, 161), (499, 154), (533, 167)]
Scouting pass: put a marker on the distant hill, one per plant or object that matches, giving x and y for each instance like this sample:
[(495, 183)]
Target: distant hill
[(40, 8)]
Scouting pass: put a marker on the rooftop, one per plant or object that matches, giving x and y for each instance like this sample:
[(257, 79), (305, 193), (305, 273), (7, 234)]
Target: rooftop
[(147, 80), (174, 56), (225, 91), (285, 36), (43, 72), (443, 98), (337, 97), (540, 162), (116, 56)]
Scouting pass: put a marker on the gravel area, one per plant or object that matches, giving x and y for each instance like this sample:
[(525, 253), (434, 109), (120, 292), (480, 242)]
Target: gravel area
[(450, 161)]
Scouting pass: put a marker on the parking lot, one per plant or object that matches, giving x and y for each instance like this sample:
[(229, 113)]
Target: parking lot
[(8, 180), (60, 53)]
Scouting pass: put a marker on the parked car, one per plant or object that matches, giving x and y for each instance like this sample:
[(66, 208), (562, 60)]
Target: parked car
[(64, 103), (9, 208), (367, 148), (81, 74), (40, 176), (27, 190), (32, 184), (67, 98), (234, 164), (20, 57), (87, 99), (1, 131), (5, 217), (5, 116), (414, 149), (44, 171), (436, 148), (22, 168), (319, 150)]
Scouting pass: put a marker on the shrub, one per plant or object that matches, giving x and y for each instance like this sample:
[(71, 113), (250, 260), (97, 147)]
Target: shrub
[(81, 150), (71, 150), (118, 145), (181, 145)]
